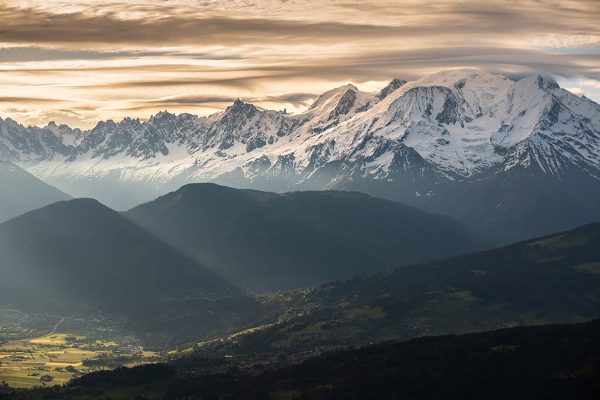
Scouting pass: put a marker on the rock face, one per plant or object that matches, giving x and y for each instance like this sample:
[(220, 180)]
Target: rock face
[(452, 142)]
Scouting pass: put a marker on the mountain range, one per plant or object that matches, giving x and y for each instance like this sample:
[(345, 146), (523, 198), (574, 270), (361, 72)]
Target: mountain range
[(79, 256), (264, 241), (166, 266), (551, 279), (509, 158)]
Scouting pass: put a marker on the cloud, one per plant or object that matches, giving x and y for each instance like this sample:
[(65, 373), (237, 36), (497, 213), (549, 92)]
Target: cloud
[(376, 65), (576, 91), (25, 54), (220, 101), (191, 99), (43, 27), (290, 98), (245, 82), (158, 24), (109, 59), (28, 100)]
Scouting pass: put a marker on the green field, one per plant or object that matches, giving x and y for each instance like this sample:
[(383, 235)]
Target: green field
[(590, 268), (56, 358)]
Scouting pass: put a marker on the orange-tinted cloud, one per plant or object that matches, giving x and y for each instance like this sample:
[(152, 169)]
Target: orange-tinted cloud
[(109, 59)]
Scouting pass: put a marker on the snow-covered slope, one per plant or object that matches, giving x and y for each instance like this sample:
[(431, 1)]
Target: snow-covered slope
[(466, 123), (405, 142)]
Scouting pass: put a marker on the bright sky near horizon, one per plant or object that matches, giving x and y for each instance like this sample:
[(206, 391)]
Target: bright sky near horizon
[(79, 62)]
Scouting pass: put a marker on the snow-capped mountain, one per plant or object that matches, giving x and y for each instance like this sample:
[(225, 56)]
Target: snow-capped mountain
[(418, 142)]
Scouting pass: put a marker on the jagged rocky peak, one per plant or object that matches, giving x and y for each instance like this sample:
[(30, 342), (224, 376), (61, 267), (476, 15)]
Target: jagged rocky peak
[(461, 123), (160, 115), (52, 126), (240, 106), (545, 82), (55, 127), (108, 124), (236, 115), (58, 130), (345, 104), (391, 87), (332, 95)]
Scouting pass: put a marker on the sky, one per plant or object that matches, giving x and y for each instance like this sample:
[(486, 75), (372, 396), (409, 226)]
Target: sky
[(79, 62)]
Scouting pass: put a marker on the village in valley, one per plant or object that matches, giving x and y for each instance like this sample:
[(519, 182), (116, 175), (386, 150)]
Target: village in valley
[(48, 350)]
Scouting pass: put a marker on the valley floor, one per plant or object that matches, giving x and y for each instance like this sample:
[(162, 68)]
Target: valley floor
[(38, 350), (544, 362)]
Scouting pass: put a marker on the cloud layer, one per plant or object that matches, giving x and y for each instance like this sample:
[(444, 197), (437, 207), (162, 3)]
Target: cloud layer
[(80, 62)]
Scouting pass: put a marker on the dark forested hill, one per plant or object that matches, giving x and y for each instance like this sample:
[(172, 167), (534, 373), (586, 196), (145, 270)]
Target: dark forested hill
[(268, 241), (79, 252), (544, 362), (545, 280)]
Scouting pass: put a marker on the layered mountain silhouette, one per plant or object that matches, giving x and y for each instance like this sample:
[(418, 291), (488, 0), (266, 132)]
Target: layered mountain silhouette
[(511, 159), (22, 192), (551, 279), (269, 241), (80, 252)]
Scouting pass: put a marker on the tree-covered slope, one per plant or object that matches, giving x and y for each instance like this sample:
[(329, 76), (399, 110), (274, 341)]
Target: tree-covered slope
[(545, 362), (80, 255), (545, 280), (266, 241)]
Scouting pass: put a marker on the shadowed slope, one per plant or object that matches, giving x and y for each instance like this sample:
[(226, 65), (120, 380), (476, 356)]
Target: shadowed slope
[(267, 241), (22, 192)]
